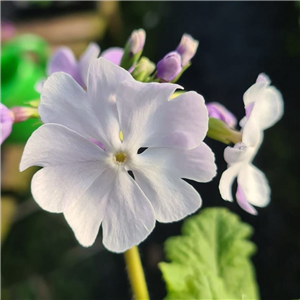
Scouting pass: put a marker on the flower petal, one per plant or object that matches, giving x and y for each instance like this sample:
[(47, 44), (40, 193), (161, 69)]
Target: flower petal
[(254, 185), (85, 60), (64, 102), (197, 164), (63, 60), (239, 153), (104, 78), (57, 188), (243, 203), (226, 181), (268, 104), (129, 216), (86, 216), (55, 145), (71, 164), (252, 135), (6, 120), (171, 197), (113, 54), (149, 119)]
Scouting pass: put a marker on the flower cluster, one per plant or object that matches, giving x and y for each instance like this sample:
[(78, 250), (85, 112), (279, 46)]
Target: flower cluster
[(118, 139)]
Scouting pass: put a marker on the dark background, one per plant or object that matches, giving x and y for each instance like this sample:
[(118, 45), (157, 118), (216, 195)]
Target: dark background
[(238, 40)]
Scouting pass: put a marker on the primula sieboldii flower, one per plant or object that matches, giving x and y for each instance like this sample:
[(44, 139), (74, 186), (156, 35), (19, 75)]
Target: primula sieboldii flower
[(6, 120), (169, 67), (218, 111), (63, 60), (187, 48), (264, 107), (89, 182)]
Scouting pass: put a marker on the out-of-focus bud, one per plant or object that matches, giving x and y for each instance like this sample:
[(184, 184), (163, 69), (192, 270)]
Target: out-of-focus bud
[(218, 111), (137, 41), (143, 69), (169, 67), (34, 103), (6, 121), (187, 48), (22, 114), (133, 48), (220, 131), (8, 30)]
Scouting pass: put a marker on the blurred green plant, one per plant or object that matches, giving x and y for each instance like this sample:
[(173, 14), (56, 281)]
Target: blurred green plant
[(23, 64), (211, 259)]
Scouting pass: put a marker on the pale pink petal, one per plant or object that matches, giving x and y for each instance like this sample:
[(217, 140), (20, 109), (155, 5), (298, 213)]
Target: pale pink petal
[(149, 119), (226, 181), (243, 203), (64, 102), (63, 60), (113, 54), (254, 185), (86, 216), (104, 79), (92, 52), (71, 164), (6, 120), (129, 216), (160, 179)]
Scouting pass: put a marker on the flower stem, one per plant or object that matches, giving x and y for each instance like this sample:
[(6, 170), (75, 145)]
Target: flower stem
[(136, 274)]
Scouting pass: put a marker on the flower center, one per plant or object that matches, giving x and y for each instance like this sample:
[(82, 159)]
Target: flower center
[(120, 157)]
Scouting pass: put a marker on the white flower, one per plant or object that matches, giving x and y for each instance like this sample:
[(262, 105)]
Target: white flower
[(91, 184), (264, 107)]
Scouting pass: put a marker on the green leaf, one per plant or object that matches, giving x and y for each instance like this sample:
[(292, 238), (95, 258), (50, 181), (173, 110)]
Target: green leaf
[(211, 259)]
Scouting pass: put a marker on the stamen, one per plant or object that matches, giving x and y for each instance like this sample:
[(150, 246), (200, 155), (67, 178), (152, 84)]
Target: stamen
[(120, 157)]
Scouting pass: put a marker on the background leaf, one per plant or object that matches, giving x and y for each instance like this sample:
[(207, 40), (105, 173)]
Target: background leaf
[(211, 260)]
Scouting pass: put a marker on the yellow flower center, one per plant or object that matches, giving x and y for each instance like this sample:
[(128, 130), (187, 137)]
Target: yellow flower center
[(120, 157)]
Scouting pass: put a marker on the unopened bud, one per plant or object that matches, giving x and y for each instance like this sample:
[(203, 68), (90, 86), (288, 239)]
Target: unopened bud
[(220, 131), (169, 67), (22, 114), (137, 41), (8, 30), (218, 111), (187, 48), (143, 69), (133, 48)]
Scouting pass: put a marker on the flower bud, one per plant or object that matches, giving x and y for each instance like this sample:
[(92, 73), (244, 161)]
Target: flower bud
[(133, 48), (169, 67), (220, 131), (137, 41), (218, 111), (8, 30), (22, 114), (143, 69), (187, 48)]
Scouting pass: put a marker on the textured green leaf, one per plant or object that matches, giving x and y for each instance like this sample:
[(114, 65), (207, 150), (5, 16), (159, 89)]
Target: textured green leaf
[(211, 259)]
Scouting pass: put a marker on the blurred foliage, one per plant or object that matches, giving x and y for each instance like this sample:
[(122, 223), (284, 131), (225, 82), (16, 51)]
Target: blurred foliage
[(211, 258), (23, 64)]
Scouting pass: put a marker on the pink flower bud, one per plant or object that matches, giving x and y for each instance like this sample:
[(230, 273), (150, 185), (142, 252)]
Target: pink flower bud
[(137, 41), (218, 111), (169, 67), (187, 48)]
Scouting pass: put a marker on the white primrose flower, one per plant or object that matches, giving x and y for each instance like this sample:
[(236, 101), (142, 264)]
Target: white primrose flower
[(264, 107), (89, 183)]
